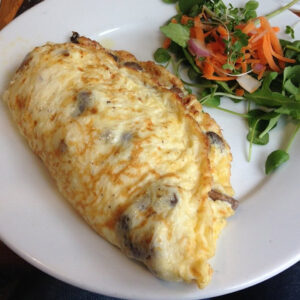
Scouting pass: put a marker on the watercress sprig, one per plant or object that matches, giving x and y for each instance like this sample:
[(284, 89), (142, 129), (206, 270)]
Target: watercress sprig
[(279, 93)]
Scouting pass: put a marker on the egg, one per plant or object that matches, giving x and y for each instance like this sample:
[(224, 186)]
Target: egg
[(131, 150)]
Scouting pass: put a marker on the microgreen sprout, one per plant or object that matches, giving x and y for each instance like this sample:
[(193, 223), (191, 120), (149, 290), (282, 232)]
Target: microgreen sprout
[(227, 37)]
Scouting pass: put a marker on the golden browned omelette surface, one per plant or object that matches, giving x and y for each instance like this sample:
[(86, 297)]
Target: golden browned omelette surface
[(130, 150)]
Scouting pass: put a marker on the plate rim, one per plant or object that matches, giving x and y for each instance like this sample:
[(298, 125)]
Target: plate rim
[(48, 270)]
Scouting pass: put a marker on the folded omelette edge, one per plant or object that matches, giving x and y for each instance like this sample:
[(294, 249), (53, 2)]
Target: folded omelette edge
[(132, 152)]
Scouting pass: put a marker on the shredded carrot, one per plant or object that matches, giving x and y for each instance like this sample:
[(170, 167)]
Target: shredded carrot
[(167, 43), (206, 34), (198, 29), (193, 33), (244, 67), (240, 26), (216, 46), (256, 38), (263, 48), (240, 92), (219, 70), (214, 34), (261, 56), (185, 19), (197, 21), (245, 57), (207, 27), (273, 38), (219, 58), (249, 27), (174, 21), (222, 31), (208, 69), (253, 61), (199, 34), (237, 66), (220, 78), (282, 58), (267, 53)]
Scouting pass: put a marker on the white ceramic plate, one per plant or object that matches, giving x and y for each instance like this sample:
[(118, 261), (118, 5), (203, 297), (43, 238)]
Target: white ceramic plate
[(261, 240)]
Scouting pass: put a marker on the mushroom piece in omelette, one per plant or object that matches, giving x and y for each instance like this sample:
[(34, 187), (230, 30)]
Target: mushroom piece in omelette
[(131, 151)]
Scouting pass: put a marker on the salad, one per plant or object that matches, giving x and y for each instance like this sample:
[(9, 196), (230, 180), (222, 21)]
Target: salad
[(232, 52)]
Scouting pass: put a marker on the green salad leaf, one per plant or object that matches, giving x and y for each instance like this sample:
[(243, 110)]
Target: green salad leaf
[(278, 96), (161, 55), (290, 30), (170, 1), (178, 33), (275, 159), (266, 97), (186, 5)]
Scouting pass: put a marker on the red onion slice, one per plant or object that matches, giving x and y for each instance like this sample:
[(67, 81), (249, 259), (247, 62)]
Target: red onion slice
[(197, 48), (258, 67)]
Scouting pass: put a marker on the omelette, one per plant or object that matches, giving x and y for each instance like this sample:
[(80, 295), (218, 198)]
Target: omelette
[(131, 150)]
